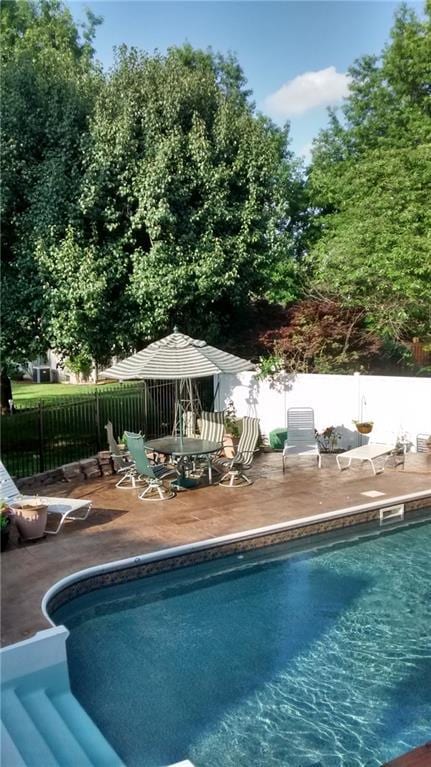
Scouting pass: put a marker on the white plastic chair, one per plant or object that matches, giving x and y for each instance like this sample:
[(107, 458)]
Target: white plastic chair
[(301, 437)]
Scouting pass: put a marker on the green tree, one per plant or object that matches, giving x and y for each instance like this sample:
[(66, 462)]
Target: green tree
[(188, 201), (371, 181), (48, 85)]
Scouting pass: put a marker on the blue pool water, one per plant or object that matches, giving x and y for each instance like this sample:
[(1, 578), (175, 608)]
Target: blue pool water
[(320, 659)]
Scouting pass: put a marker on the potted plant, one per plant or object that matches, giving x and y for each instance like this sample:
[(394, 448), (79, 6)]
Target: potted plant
[(30, 517), (5, 522), (232, 430), (327, 440), (364, 427)]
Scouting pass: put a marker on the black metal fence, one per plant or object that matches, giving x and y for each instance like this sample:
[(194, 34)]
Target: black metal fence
[(50, 435)]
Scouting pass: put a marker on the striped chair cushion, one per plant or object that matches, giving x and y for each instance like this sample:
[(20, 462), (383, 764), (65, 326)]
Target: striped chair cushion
[(248, 441), (212, 426)]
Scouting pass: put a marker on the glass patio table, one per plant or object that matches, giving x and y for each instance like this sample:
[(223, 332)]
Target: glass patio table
[(183, 449)]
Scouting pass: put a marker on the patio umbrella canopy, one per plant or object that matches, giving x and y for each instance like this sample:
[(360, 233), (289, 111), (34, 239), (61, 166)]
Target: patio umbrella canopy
[(177, 357), (182, 359)]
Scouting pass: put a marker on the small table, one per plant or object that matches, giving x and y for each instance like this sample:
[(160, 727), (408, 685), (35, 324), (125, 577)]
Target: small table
[(184, 448)]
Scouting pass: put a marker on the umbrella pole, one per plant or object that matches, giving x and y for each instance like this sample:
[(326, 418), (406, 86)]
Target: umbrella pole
[(176, 427), (180, 413)]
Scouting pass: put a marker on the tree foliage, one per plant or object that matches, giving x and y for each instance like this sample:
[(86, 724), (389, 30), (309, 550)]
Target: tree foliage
[(149, 195), (320, 336), (184, 206), (154, 195), (48, 85), (371, 180)]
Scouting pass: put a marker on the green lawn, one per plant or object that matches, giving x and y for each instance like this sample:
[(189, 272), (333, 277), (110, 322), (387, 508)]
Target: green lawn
[(25, 391)]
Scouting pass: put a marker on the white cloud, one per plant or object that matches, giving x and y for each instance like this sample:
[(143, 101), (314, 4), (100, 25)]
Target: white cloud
[(307, 91)]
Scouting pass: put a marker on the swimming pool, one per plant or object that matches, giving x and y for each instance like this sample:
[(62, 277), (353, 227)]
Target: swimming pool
[(317, 659)]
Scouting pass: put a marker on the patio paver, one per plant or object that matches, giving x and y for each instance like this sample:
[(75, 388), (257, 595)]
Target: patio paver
[(121, 525)]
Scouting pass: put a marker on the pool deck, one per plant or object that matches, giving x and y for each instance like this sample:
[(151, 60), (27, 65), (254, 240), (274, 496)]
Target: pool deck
[(419, 757), (121, 526)]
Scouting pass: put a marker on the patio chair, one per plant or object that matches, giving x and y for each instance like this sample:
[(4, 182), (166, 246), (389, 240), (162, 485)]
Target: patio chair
[(423, 443), (243, 458), (130, 479), (151, 474), (66, 508), (371, 452), (189, 424), (211, 428), (301, 438), (119, 456)]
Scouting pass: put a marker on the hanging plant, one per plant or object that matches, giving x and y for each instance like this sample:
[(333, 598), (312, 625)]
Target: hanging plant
[(364, 427)]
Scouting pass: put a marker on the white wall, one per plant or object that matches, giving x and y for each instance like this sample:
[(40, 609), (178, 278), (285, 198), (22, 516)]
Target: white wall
[(394, 404)]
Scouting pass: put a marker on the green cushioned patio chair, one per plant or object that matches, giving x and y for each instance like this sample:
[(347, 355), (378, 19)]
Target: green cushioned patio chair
[(130, 479), (150, 474)]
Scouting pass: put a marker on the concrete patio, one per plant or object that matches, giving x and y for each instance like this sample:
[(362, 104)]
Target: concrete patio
[(122, 526)]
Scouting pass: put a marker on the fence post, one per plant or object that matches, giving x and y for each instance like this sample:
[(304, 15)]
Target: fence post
[(97, 415), (41, 445)]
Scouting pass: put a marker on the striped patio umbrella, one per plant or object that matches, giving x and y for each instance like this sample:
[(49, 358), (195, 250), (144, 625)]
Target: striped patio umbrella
[(177, 357), (182, 359)]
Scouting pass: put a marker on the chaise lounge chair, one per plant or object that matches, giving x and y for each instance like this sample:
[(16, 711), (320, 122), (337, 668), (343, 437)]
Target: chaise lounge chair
[(301, 437), (66, 508), (370, 453)]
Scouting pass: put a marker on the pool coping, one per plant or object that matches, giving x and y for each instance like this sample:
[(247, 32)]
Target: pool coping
[(161, 560)]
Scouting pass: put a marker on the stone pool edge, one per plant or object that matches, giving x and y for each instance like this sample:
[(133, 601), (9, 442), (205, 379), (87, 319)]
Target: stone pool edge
[(162, 560)]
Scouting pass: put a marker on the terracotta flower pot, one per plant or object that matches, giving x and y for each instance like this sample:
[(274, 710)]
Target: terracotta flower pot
[(30, 518), (229, 445)]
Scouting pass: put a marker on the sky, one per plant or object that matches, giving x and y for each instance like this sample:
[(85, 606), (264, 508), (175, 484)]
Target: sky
[(295, 55)]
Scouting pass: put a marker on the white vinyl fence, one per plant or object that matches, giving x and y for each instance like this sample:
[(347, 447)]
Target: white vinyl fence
[(399, 407)]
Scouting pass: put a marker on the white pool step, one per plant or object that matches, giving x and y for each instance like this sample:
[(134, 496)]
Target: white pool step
[(97, 749), (24, 732), (43, 724), (9, 750), (55, 730)]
